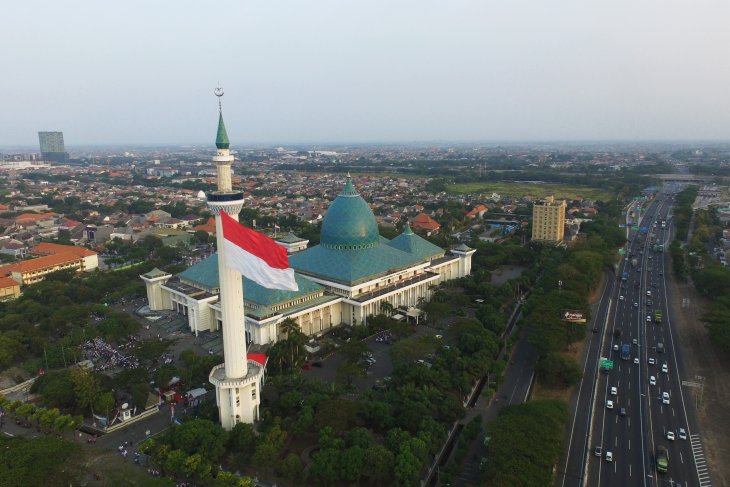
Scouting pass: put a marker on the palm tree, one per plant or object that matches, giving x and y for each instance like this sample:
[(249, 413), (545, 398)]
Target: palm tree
[(386, 308), (288, 326)]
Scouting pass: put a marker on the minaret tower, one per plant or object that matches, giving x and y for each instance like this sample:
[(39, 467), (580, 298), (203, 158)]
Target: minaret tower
[(237, 381)]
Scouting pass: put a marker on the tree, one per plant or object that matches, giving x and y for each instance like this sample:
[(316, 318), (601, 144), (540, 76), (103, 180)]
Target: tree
[(380, 462), (386, 308), (86, 387), (291, 468), (348, 371), (199, 436), (269, 448), (201, 236)]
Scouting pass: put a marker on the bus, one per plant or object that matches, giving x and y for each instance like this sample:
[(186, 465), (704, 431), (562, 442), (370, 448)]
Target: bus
[(657, 316)]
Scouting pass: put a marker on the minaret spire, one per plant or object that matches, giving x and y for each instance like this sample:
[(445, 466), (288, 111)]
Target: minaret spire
[(237, 382)]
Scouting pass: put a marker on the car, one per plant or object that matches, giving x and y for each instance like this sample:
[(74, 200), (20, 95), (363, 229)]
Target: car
[(661, 273), (598, 451), (682, 434), (670, 435), (648, 318), (609, 456), (439, 336), (636, 360), (649, 302), (635, 341), (665, 368), (652, 380), (665, 398), (636, 305), (615, 347), (614, 391), (622, 412), (621, 298), (652, 361), (609, 404)]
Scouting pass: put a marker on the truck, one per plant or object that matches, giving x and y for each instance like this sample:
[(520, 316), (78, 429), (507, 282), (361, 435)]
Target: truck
[(658, 248), (625, 351), (662, 459), (657, 316)]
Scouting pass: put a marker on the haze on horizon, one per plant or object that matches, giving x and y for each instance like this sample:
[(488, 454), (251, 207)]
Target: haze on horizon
[(330, 71)]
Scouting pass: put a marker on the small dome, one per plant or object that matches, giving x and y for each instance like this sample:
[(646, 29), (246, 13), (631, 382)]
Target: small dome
[(201, 195), (349, 223)]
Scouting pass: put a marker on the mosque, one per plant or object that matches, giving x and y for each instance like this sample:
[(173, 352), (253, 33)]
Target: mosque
[(343, 280)]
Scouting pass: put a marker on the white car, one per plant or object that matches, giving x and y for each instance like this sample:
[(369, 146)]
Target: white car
[(609, 404), (615, 347), (621, 298), (609, 456), (614, 391), (652, 361), (670, 435), (665, 368), (652, 380), (665, 398), (648, 318), (636, 305), (636, 360), (682, 434)]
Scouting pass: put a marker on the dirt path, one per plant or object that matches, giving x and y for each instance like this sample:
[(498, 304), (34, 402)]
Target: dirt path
[(702, 358)]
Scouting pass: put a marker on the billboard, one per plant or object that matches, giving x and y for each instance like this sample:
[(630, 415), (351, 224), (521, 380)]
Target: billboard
[(573, 316)]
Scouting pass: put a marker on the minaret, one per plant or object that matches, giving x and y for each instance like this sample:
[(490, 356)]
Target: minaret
[(237, 380)]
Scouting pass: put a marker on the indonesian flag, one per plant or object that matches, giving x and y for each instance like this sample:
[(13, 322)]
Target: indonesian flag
[(256, 256)]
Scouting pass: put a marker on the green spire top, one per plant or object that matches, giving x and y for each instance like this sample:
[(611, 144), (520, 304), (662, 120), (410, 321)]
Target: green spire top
[(407, 230), (221, 138), (349, 189)]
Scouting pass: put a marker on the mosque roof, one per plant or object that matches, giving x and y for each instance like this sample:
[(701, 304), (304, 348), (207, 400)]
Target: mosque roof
[(351, 249), (349, 223), (205, 273), (415, 245)]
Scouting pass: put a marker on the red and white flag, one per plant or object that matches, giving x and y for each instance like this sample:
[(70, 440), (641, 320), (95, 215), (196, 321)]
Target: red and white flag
[(256, 256)]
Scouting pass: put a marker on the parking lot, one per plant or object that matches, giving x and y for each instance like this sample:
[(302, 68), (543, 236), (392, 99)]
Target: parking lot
[(382, 367)]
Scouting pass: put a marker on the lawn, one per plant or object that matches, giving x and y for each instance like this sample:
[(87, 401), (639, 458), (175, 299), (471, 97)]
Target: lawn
[(537, 190)]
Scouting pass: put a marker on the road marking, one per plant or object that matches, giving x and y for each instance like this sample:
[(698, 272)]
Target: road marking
[(703, 474)]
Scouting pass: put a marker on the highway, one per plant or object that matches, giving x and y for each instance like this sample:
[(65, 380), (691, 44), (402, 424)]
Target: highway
[(637, 420)]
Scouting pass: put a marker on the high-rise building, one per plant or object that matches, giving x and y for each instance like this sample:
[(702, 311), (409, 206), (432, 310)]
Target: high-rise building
[(237, 380), (52, 148), (548, 220)]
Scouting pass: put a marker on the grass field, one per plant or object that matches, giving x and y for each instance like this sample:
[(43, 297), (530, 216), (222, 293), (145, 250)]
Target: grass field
[(537, 190)]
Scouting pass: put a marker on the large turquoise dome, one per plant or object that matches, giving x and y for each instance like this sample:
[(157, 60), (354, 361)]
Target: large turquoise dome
[(349, 223)]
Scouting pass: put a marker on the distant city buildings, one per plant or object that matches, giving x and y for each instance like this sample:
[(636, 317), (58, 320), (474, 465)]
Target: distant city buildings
[(52, 147), (548, 220)]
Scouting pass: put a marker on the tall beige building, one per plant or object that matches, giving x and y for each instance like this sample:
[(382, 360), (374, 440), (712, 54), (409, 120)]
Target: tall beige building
[(548, 220)]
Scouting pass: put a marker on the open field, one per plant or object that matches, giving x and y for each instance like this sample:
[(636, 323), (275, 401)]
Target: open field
[(537, 190)]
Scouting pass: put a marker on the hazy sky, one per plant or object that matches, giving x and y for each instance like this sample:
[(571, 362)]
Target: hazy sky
[(336, 71)]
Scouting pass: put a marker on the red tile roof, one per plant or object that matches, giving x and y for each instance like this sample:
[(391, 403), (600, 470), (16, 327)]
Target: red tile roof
[(7, 282), (51, 249), (38, 264), (425, 222)]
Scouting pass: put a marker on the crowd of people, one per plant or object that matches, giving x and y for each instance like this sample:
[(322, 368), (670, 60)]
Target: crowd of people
[(106, 356)]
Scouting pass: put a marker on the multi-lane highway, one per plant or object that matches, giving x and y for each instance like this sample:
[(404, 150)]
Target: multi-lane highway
[(640, 403), (636, 333)]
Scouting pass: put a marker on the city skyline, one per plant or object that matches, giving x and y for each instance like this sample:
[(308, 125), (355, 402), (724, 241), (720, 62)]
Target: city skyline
[(367, 72)]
